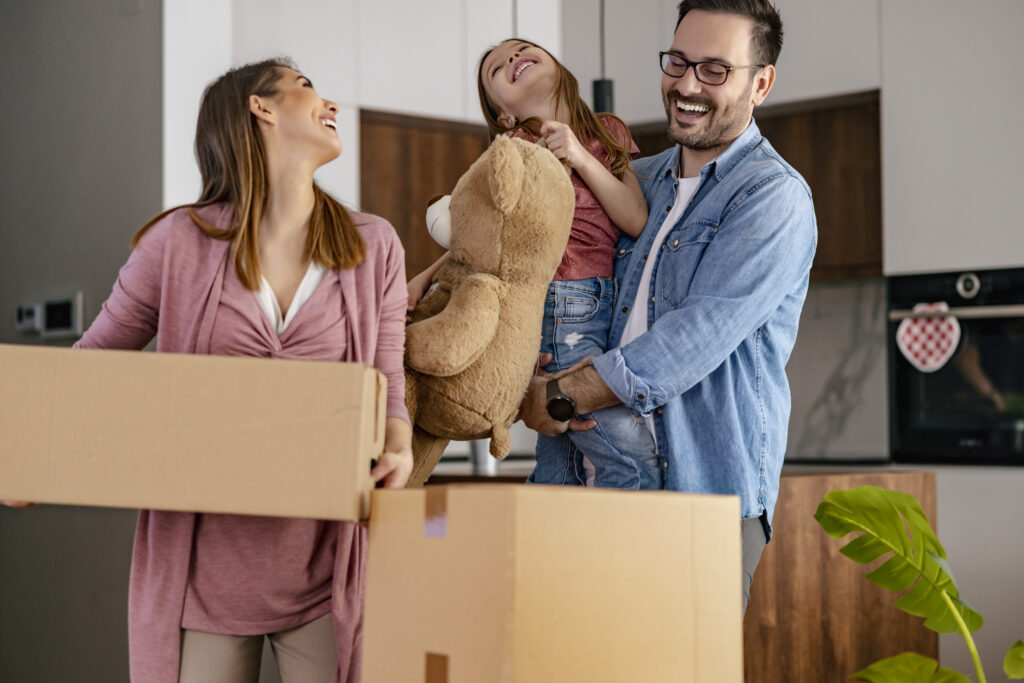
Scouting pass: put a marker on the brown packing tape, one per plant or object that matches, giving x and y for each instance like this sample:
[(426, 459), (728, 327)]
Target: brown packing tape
[(435, 512), (437, 668)]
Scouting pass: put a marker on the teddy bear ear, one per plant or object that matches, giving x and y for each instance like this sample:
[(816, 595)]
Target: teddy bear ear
[(506, 174)]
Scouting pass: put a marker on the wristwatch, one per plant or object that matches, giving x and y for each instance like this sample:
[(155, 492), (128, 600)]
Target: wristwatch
[(560, 406)]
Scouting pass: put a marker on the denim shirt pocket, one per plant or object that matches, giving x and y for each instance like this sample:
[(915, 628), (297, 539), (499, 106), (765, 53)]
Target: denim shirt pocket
[(682, 251)]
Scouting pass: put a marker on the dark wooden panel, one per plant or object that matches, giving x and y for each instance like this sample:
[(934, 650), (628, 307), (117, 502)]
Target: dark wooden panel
[(835, 144), (406, 160), (813, 616)]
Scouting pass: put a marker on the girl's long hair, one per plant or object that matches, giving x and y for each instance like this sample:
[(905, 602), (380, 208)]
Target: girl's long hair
[(233, 164), (582, 120)]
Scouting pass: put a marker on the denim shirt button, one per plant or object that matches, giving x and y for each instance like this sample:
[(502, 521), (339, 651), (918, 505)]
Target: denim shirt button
[(664, 464), (622, 251), (625, 309), (645, 256), (659, 411), (652, 299), (641, 397), (668, 209), (675, 243)]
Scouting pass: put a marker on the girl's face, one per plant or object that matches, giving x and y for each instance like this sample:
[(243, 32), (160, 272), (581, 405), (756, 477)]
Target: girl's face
[(516, 76), (303, 121)]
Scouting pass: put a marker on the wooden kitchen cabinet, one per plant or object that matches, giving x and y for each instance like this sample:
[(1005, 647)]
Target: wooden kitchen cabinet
[(812, 615), (406, 160)]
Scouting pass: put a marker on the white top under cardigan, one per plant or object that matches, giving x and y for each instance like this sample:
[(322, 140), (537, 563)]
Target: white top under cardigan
[(272, 309)]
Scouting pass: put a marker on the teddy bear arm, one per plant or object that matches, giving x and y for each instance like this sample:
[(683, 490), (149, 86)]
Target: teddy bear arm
[(452, 340)]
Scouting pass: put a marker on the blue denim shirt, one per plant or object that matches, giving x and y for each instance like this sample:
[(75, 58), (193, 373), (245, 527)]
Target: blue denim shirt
[(726, 293)]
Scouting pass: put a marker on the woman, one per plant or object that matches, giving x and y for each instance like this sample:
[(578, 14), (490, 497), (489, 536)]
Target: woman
[(265, 263)]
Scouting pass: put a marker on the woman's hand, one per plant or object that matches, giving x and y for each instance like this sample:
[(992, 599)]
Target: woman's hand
[(395, 464), (564, 144), (417, 287)]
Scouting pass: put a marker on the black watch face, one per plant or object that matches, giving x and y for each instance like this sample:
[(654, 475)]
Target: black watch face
[(560, 408)]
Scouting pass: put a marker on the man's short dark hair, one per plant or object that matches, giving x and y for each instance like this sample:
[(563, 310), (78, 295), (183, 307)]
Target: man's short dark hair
[(766, 41)]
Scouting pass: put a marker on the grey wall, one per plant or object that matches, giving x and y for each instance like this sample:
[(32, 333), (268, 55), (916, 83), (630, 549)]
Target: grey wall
[(80, 140)]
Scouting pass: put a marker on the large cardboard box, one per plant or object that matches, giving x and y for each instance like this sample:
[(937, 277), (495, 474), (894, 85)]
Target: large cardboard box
[(536, 584), (188, 432)]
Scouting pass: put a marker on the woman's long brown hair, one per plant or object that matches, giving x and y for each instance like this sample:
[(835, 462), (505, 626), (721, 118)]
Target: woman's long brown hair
[(582, 120), (233, 164)]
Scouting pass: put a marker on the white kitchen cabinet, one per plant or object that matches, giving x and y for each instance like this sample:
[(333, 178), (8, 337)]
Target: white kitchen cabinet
[(829, 47), (952, 148), (421, 58)]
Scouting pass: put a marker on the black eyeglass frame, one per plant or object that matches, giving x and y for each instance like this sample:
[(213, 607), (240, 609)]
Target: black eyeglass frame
[(696, 70)]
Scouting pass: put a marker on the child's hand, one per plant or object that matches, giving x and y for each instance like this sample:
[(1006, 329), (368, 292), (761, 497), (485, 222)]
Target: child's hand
[(563, 144)]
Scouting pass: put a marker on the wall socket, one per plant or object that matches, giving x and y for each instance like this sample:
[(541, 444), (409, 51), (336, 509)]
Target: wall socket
[(58, 318)]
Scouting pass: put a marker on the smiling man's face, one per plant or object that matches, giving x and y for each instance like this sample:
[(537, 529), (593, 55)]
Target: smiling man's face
[(709, 117)]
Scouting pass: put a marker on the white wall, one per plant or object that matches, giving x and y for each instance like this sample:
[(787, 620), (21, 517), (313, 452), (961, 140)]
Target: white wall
[(186, 26), (321, 36), (979, 524), (951, 135)]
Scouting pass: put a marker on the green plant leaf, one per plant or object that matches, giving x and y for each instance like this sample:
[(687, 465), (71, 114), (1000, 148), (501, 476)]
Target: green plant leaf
[(1013, 663), (893, 523), (909, 667)]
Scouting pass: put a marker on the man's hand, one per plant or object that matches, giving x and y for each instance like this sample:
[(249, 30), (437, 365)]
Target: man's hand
[(534, 409)]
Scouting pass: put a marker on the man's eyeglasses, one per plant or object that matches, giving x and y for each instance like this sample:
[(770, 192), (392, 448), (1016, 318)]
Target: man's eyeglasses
[(709, 73)]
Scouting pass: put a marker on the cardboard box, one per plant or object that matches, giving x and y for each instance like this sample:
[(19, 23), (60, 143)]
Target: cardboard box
[(497, 583), (189, 432)]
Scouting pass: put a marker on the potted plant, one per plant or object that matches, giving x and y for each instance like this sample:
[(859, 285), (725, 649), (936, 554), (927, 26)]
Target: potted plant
[(892, 523)]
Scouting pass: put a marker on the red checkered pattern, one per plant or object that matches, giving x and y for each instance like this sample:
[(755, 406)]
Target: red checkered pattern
[(928, 343)]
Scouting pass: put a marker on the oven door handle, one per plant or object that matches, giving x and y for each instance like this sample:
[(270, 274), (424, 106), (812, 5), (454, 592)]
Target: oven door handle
[(963, 312)]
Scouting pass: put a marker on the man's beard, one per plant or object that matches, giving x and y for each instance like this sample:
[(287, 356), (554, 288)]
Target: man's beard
[(721, 126)]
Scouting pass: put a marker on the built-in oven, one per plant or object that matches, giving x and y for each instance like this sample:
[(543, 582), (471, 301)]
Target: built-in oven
[(956, 367)]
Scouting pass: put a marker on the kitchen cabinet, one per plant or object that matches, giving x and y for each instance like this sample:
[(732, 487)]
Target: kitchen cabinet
[(834, 144), (421, 58), (952, 147), (406, 160), (812, 615)]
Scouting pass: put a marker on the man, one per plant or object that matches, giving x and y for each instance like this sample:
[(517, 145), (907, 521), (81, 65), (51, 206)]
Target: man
[(710, 293)]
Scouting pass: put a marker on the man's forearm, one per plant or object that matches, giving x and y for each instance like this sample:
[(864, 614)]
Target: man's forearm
[(586, 389)]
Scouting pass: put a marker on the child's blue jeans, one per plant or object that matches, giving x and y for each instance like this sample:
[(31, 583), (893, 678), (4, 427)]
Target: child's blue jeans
[(577, 314)]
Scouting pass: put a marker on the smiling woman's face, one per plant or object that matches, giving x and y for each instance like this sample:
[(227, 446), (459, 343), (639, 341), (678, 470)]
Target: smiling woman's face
[(303, 119), (516, 75)]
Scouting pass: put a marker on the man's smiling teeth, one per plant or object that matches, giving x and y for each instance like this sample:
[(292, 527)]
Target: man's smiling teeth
[(520, 69), (329, 123), (695, 108)]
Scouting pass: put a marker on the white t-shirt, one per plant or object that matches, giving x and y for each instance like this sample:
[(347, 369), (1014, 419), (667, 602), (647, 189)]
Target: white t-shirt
[(637, 323), (268, 302)]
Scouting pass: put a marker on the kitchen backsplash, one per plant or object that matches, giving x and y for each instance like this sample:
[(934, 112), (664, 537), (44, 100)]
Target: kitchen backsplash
[(837, 374)]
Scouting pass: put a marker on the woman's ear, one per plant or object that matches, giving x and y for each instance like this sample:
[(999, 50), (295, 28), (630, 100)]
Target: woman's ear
[(258, 108)]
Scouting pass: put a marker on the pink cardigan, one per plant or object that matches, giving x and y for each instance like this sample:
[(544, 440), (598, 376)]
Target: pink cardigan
[(171, 287)]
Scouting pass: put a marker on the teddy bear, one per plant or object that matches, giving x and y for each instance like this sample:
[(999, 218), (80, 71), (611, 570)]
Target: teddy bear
[(473, 342)]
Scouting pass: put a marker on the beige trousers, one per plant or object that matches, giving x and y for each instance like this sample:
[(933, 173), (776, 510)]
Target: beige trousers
[(306, 654)]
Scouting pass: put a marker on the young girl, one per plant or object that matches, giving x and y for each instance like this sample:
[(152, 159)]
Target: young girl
[(525, 92), (265, 264)]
